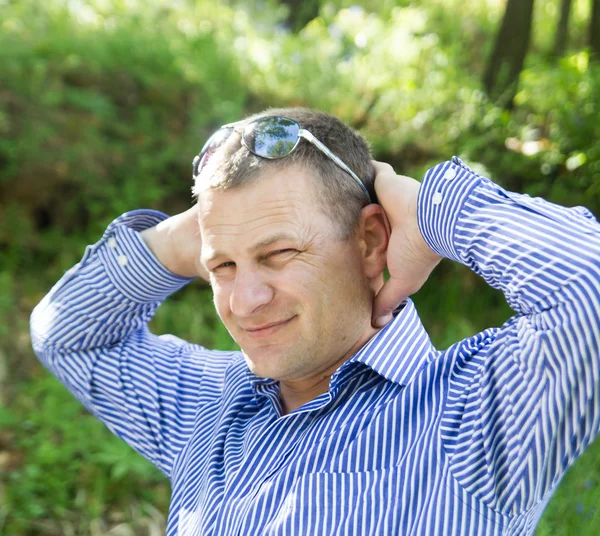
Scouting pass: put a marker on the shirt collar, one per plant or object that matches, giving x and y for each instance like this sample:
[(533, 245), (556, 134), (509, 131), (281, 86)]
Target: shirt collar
[(397, 352)]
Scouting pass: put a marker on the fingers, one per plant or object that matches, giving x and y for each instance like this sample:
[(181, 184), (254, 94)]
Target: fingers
[(381, 167), (382, 170), (391, 295)]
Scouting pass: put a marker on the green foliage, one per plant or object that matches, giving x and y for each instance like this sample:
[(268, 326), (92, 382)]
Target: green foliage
[(68, 469), (553, 149), (192, 315), (103, 105), (102, 117)]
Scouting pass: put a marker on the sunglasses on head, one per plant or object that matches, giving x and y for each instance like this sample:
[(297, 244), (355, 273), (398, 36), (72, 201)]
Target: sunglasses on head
[(270, 137)]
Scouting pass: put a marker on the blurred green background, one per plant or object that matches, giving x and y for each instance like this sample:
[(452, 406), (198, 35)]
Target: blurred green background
[(103, 105)]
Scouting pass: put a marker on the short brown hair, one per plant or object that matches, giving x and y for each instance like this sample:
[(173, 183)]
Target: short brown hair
[(233, 165)]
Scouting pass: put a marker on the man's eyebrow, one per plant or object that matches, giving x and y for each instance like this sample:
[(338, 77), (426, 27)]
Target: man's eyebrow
[(256, 247), (271, 240)]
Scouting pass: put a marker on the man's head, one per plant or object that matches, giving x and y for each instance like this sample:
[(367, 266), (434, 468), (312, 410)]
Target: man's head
[(234, 166), (294, 251)]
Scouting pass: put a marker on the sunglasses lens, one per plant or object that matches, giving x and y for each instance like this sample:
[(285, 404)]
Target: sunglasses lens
[(213, 142), (271, 137)]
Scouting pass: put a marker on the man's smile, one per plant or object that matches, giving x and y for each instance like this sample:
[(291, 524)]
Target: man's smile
[(266, 330)]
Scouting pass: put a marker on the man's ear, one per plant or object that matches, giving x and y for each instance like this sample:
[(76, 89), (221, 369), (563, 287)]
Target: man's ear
[(374, 234)]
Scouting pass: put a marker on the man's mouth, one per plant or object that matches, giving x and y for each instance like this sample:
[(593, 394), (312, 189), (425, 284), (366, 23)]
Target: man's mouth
[(266, 330)]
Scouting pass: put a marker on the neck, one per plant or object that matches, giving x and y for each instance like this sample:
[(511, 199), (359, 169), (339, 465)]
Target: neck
[(296, 393)]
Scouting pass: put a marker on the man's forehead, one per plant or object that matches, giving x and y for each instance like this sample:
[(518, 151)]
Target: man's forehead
[(230, 214), (230, 209), (253, 237), (287, 187)]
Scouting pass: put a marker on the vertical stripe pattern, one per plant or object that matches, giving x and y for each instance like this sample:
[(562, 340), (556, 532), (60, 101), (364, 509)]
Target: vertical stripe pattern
[(408, 440)]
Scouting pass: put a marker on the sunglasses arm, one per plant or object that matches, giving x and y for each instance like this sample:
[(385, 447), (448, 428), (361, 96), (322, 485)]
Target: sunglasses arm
[(323, 148)]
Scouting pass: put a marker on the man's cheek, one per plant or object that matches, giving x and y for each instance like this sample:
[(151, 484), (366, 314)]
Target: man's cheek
[(221, 302)]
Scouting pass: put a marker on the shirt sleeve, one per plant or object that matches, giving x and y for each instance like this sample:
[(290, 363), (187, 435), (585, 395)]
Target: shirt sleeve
[(91, 332), (523, 401)]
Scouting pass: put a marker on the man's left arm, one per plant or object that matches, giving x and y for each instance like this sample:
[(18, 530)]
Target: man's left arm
[(530, 396)]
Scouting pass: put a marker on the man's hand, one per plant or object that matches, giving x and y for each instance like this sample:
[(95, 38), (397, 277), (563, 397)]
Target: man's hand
[(176, 244), (409, 259)]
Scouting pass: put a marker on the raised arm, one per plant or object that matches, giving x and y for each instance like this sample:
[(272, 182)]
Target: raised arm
[(91, 332), (524, 399)]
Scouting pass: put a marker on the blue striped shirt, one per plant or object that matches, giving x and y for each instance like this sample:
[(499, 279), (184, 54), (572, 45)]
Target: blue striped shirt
[(408, 440)]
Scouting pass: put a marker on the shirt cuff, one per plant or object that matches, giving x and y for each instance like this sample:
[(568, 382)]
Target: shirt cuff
[(129, 263), (443, 192)]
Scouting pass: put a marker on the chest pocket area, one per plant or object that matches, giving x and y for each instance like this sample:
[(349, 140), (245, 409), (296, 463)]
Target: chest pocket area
[(341, 503), (394, 501)]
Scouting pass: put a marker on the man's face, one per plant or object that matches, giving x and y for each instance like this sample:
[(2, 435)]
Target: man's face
[(290, 291)]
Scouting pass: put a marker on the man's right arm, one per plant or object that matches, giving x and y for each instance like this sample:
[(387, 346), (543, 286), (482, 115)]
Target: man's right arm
[(91, 332)]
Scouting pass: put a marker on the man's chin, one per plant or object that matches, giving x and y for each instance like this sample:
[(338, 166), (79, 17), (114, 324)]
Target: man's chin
[(264, 362), (255, 359)]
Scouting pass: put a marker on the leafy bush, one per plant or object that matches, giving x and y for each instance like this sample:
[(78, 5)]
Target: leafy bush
[(103, 117), (68, 469)]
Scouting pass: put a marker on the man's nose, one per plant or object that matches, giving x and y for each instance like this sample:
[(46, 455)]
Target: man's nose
[(250, 292)]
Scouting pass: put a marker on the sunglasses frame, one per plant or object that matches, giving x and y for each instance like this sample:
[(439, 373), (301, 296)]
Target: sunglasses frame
[(302, 133)]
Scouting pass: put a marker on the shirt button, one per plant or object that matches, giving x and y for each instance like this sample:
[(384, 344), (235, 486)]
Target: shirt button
[(437, 198), (112, 243), (122, 260), (450, 174)]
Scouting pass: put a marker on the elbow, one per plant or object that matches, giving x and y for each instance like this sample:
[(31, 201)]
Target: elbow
[(43, 326), (37, 330)]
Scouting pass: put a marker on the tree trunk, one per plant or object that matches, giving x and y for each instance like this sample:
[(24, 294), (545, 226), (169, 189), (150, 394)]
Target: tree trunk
[(594, 36), (300, 12), (501, 77), (562, 30)]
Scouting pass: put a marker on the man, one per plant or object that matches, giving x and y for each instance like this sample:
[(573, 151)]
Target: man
[(338, 416)]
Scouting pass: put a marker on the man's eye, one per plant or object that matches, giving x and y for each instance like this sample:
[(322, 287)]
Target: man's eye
[(224, 265), (282, 251)]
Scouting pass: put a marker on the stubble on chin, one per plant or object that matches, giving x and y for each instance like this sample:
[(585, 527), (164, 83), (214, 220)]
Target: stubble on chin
[(272, 364)]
